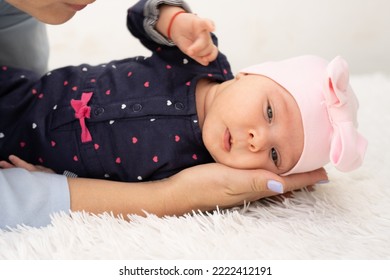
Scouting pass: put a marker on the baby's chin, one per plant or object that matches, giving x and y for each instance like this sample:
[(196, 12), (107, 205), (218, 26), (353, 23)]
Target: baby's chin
[(229, 164), (243, 166)]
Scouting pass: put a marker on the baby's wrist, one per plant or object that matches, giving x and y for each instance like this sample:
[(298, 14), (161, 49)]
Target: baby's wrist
[(167, 18), (172, 20)]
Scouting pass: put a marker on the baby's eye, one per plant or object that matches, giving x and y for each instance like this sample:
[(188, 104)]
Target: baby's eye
[(274, 156), (270, 113)]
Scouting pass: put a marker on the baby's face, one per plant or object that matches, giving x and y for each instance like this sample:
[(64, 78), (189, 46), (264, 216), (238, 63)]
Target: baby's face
[(51, 11), (254, 123)]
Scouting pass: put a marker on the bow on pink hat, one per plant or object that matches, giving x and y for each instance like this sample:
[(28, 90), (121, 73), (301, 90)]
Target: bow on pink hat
[(328, 108)]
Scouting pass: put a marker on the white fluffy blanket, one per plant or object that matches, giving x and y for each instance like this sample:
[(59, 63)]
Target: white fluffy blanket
[(349, 218)]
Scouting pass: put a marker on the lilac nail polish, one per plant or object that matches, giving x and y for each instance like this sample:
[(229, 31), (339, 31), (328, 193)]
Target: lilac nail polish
[(275, 186), (322, 182)]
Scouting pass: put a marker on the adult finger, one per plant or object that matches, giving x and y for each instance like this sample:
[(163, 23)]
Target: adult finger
[(18, 162), (5, 164), (297, 181)]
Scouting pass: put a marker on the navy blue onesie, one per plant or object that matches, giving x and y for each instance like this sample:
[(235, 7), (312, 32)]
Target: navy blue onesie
[(127, 120)]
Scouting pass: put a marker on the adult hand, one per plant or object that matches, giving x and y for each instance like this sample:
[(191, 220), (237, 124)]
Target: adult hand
[(206, 186), (18, 162)]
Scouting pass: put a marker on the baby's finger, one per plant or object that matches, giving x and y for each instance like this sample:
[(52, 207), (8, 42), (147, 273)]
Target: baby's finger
[(205, 55), (199, 60), (212, 55), (202, 30), (202, 45), (205, 24)]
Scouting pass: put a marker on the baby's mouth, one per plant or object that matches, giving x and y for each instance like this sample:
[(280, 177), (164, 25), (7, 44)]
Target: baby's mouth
[(227, 140)]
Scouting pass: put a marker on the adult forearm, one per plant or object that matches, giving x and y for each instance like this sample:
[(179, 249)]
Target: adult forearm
[(187, 191), (98, 196)]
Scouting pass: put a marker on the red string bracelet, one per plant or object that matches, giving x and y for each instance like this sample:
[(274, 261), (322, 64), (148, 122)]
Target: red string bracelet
[(171, 22)]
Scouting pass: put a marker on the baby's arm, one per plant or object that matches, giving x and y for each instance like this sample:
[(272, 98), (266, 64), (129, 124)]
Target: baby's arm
[(190, 33)]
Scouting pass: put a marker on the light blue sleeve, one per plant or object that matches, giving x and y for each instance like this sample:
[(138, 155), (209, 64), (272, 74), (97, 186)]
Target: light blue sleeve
[(31, 197), (23, 40)]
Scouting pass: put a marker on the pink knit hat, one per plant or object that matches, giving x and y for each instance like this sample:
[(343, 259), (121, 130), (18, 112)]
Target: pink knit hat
[(328, 108)]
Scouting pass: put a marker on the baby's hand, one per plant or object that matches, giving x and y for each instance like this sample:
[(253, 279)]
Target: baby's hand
[(18, 162), (191, 34)]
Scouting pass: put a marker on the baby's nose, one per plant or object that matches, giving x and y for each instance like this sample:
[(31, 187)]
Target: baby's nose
[(257, 140)]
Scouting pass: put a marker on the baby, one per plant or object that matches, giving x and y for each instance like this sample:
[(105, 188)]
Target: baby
[(327, 111), (143, 119)]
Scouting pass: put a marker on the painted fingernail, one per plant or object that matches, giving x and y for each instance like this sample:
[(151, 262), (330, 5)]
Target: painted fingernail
[(275, 186), (322, 182)]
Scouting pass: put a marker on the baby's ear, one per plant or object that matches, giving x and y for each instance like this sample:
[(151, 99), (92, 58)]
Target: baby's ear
[(338, 81)]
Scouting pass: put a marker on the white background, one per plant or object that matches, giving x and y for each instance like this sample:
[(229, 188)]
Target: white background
[(249, 32)]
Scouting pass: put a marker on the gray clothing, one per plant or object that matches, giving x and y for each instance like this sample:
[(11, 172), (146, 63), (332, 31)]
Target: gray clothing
[(27, 197), (23, 40)]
